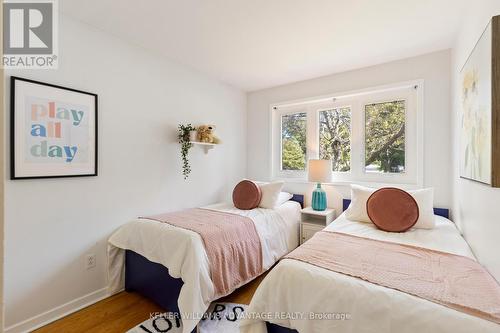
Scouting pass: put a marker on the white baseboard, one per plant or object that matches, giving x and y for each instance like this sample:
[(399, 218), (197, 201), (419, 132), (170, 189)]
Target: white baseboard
[(47, 317)]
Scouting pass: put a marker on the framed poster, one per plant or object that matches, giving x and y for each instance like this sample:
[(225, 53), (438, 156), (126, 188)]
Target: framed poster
[(480, 109), (53, 131)]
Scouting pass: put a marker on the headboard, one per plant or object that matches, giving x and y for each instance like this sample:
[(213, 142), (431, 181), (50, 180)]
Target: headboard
[(298, 198), (444, 212)]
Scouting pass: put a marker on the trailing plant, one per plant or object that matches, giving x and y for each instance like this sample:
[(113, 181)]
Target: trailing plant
[(183, 137)]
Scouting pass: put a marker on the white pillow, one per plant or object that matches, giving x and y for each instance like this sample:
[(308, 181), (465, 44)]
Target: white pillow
[(425, 202), (283, 197), (270, 194), (424, 198), (357, 207)]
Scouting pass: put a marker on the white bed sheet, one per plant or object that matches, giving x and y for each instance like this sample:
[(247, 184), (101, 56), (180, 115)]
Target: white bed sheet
[(183, 253), (296, 290)]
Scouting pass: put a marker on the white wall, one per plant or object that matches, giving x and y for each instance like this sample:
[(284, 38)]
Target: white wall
[(433, 68), (476, 207), (52, 224)]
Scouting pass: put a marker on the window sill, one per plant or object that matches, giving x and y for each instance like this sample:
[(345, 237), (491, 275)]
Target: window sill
[(408, 186)]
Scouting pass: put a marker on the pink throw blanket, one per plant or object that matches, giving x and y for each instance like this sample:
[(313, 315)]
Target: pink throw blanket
[(451, 280), (231, 242)]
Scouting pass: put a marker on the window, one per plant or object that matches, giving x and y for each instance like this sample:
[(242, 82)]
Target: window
[(385, 137), (335, 137), (371, 136), (293, 141)]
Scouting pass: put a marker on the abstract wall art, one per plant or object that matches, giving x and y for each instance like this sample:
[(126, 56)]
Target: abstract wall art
[(480, 109)]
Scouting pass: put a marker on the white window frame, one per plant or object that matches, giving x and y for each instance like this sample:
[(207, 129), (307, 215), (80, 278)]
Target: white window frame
[(411, 92)]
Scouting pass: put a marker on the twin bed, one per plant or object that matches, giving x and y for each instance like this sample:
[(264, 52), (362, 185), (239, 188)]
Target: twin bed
[(298, 296), (141, 250), (295, 295)]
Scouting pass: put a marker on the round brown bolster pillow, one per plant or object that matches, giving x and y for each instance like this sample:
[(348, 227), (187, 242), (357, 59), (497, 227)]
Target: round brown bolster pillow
[(246, 195), (392, 209)]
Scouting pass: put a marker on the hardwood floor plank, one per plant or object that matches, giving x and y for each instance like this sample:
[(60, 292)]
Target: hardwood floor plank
[(122, 311), (117, 313)]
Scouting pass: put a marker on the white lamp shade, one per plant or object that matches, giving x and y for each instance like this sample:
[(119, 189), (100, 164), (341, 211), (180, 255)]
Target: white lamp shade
[(320, 171)]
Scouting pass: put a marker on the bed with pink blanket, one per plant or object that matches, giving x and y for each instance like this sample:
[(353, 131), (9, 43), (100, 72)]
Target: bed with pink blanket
[(353, 277), (185, 260)]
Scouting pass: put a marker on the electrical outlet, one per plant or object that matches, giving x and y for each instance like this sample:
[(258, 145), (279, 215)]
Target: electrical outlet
[(91, 261)]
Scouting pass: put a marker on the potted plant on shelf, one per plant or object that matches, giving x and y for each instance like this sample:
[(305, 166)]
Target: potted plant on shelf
[(184, 137), (193, 135)]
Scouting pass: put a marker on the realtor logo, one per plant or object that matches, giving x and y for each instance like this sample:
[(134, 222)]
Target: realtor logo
[(29, 34)]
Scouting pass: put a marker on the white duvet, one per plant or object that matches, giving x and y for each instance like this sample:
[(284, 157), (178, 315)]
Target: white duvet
[(183, 253), (293, 292)]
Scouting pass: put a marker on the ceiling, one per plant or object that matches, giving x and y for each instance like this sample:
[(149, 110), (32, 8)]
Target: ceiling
[(256, 44)]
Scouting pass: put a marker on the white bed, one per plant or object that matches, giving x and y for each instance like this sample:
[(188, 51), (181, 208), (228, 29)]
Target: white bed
[(183, 253), (294, 290)]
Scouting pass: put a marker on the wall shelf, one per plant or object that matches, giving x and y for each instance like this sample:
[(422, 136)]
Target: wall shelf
[(207, 146)]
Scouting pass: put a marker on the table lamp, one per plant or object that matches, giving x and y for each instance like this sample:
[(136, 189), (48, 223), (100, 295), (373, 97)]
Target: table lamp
[(320, 171)]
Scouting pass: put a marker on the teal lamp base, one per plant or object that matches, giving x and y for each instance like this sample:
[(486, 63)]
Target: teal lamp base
[(318, 198)]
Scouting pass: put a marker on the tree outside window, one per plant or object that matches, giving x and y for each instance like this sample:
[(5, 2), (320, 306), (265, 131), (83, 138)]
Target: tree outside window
[(385, 137), (335, 138), (293, 141)]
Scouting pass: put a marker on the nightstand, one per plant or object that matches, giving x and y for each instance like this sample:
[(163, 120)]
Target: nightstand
[(313, 221)]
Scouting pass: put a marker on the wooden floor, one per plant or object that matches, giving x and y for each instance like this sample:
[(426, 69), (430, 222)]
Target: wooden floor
[(121, 312)]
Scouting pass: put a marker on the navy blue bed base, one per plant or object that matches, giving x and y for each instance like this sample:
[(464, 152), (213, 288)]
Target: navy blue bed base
[(273, 328), (151, 280), (437, 211)]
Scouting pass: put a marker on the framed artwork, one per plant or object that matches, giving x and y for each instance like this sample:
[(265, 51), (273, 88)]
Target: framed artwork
[(53, 131), (480, 109)]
